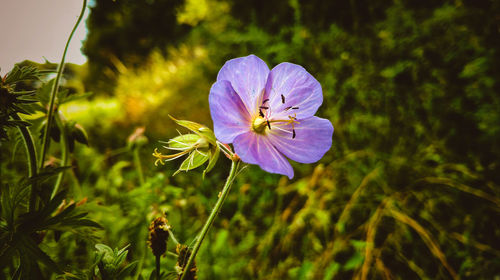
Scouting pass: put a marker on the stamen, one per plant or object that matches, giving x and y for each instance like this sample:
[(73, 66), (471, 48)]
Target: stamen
[(290, 107), (282, 99), (281, 129), (293, 133), (260, 113), (268, 124), (292, 120)]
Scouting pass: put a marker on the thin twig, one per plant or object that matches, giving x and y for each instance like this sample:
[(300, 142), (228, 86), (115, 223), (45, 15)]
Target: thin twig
[(55, 88)]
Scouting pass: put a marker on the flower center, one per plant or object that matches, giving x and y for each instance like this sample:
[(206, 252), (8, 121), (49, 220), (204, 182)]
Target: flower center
[(264, 119), (259, 124)]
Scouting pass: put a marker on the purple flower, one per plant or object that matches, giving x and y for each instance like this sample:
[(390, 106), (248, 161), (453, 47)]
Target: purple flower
[(268, 116)]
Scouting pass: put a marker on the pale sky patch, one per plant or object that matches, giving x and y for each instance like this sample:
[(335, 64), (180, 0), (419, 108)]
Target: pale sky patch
[(38, 29)]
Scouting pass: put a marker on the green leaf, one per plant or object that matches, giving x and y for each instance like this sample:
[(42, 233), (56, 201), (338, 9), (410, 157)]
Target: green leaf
[(19, 109), (194, 160), (36, 253), (26, 101), (46, 173), (61, 95), (198, 129), (214, 156), (123, 250), (354, 262), (120, 257), (14, 123), (53, 204), (104, 249), (18, 74), (17, 273), (80, 134), (394, 70), (59, 218), (331, 271), (24, 93), (11, 199), (74, 97), (79, 223), (44, 92), (127, 270), (185, 141)]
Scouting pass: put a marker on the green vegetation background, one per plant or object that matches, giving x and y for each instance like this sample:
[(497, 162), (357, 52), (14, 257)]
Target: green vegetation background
[(409, 189)]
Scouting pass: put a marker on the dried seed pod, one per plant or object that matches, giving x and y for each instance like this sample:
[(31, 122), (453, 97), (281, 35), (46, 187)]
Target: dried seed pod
[(158, 236), (184, 253)]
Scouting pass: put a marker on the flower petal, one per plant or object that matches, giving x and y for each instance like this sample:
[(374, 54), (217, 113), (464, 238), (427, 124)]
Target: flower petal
[(257, 149), (313, 138), (228, 112), (248, 76), (291, 86)]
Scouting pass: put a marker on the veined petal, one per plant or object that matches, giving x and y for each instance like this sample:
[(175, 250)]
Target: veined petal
[(292, 90), (248, 76), (313, 138), (228, 112), (257, 149)]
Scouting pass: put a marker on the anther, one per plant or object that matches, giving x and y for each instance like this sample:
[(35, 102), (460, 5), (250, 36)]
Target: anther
[(290, 107), (268, 124), (282, 99), (293, 133), (265, 100), (264, 107), (260, 113)]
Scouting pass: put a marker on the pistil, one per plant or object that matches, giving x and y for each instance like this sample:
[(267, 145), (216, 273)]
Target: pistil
[(259, 124)]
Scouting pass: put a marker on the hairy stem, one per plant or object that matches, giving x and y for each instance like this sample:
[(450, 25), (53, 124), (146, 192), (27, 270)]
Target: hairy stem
[(206, 227), (55, 88)]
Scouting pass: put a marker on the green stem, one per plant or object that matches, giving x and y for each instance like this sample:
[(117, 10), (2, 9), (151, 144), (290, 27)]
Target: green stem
[(213, 215), (141, 262), (64, 155), (55, 88), (138, 165), (225, 149), (31, 154), (172, 236)]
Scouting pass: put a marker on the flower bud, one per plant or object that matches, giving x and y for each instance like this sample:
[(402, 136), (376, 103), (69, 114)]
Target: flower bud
[(137, 138), (199, 146)]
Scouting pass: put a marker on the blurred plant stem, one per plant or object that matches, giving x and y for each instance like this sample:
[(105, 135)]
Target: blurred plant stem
[(138, 164), (206, 227), (31, 154), (64, 152), (55, 88)]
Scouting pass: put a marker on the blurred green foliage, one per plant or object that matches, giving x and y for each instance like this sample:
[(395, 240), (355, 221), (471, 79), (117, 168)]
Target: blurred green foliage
[(409, 190)]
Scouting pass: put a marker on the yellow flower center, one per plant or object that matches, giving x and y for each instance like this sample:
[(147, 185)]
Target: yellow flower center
[(259, 125)]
